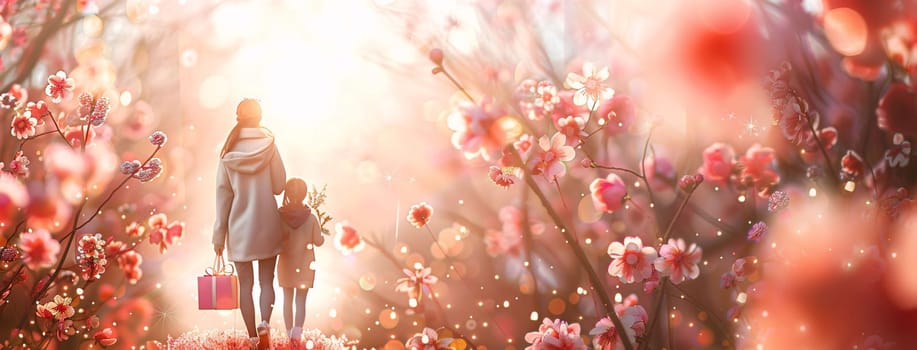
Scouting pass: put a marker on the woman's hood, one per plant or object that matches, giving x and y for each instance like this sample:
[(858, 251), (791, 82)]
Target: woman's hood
[(295, 216), (253, 151)]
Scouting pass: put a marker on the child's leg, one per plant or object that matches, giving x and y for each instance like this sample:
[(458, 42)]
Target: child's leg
[(301, 306), (266, 282), (288, 308), (246, 304)]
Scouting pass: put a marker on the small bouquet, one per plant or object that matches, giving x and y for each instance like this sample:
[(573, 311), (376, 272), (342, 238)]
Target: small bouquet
[(314, 200)]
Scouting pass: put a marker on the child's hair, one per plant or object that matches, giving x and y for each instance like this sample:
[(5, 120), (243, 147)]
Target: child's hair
[(294, 191)]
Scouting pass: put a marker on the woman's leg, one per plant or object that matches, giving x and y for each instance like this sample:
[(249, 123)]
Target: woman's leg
[(301, 306), (266, 282), (288, 308), (246, 304)]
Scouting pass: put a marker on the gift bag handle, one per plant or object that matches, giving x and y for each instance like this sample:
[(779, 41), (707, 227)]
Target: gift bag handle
[(220, 267)]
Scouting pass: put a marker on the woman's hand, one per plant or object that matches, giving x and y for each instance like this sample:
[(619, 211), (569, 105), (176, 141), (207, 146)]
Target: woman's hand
[(218, 249)]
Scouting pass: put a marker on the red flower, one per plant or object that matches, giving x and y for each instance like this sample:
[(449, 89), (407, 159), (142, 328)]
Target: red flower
[(503, 177), (346, 239), (59, 87), (38, 110), (23, 125), (757, 167), (105, 337), (897, 109), (39, 249), (419, 214), (852, 164), (129, 262), (719, 159)]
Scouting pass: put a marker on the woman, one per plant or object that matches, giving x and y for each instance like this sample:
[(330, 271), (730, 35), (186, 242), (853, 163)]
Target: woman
[(250, 173)]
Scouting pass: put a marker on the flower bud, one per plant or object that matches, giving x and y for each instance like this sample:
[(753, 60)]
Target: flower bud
[(158, 138), (436, 55)]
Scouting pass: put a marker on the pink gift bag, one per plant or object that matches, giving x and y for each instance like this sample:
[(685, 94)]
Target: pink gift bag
[(218, 288)]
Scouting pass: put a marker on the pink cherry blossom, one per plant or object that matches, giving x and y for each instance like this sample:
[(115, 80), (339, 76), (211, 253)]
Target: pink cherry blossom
[(129, 262), (757, 231), (719, 160), (536, 99), (590, 88), (524, 145), (757, 167), (416, 281), (428, 339), (899, 155), (549, 160), (39, 249), (346, 238), (573, 127), (23, 125), (743, 268), (678, 263), (556, 335), (478, 130), (60, 308), (631, 261), (608, 194), (38, 110), (59, 87), (605, 336), (635, 320), (503, 177)]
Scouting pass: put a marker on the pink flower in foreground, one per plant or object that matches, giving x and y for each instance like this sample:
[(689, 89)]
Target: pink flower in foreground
[(346, 238), (608, 194), (23, 125), (428, 340), (419, 214), (590, 87), (719, 160), (556, 335), (39, 249), (59, 87), (631, 261), (677, 262), (477, 130), (549, 160)]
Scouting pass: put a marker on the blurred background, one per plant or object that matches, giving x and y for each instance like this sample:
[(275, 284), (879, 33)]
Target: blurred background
[(347, 89)]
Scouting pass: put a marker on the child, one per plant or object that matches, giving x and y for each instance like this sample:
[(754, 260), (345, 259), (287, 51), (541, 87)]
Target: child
[(294, 267)]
